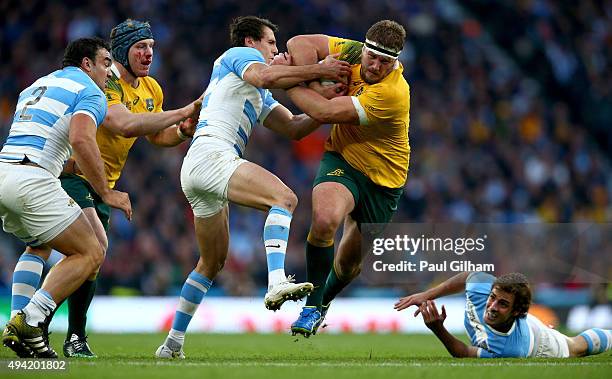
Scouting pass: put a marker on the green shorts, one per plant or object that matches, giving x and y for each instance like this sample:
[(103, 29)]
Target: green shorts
[(83, 193), (374, 204)]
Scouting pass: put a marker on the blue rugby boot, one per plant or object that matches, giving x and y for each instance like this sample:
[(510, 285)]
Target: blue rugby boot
[(324, 310), (308, 322)]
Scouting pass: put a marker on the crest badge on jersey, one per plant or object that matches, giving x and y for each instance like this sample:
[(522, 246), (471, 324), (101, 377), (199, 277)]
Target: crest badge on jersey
[(150, 104)]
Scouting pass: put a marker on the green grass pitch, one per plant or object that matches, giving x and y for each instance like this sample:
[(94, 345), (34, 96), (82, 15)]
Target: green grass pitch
[(322, 356)]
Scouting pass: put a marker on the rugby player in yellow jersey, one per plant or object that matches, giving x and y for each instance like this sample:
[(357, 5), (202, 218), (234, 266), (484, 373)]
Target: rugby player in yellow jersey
[(365, 165), (134, 109)]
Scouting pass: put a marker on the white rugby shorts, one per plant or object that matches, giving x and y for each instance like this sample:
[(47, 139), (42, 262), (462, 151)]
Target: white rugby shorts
[(549, 343), (33, 205), (205, 174)]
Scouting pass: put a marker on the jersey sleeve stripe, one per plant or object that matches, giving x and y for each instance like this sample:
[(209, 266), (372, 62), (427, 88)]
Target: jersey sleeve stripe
[(82, 111), (246, 67), (363, 118), (266, 111)]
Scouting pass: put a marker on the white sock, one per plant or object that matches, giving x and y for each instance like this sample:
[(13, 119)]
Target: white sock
[(39, 308), (276, 235), (275, 277), (175, 340)]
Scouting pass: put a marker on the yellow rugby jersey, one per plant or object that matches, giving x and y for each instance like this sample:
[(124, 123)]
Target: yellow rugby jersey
[(379, 148), (114, 149)]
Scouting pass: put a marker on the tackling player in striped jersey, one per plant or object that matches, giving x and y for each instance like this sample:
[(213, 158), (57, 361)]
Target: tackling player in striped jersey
[(135, 102), (214, 171), (56, 117)]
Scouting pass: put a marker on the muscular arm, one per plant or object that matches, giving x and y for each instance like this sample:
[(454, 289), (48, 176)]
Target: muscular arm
[(127, 124), (282, 76), (308, 49), (325, 111), (295, 127), (165, 138), (82, 136)]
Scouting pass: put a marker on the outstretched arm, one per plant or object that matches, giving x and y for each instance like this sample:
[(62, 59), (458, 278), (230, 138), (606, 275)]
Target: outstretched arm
[(174, 135), (127, 124), (338, 110), (284, 76), (453, 285), (294, 127), (435, 322)]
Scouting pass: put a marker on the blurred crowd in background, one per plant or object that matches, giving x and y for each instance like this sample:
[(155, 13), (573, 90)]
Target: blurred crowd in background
[(511, 108)]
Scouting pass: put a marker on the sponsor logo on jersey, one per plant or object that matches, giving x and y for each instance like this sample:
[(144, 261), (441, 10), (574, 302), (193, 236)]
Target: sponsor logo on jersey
[(336, 172)]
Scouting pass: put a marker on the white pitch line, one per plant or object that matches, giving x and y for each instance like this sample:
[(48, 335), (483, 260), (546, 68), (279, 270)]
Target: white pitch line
[(487, 363)]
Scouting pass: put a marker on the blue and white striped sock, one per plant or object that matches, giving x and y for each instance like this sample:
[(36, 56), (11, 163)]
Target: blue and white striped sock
[(192, 293), (276, 235), (53, 259), (41, 306), (26, 279), (598, 340)]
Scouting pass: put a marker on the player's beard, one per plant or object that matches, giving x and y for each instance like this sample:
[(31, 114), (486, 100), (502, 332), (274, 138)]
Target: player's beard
[(365, 78)]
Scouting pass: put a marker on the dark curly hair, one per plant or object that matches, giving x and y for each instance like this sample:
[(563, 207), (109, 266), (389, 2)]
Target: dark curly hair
[(83, 48), (248, 26), (518, 285)]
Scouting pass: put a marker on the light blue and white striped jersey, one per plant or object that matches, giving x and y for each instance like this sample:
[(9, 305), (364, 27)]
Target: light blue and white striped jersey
[(232, 106), (523, 338), (42, 117)]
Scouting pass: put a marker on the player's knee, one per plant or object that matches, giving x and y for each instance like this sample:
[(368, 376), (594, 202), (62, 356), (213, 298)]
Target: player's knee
[(104, 244), (211, 266), (213, 269), (97, 257), (324, 226), (287, 199)]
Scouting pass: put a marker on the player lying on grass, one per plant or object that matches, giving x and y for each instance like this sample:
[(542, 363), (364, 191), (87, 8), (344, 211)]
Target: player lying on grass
[(497, 322)]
